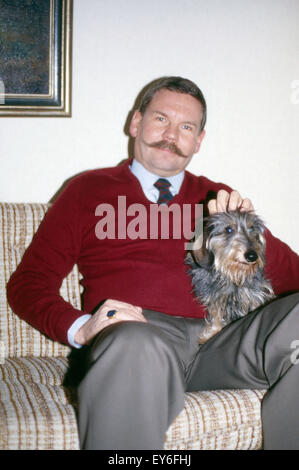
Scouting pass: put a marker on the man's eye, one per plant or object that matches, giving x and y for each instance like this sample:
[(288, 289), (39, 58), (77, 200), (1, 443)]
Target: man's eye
[(187, 127), (160, 118)]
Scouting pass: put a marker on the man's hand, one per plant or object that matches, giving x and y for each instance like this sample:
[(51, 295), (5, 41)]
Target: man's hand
[(229, 202), (99, 320)]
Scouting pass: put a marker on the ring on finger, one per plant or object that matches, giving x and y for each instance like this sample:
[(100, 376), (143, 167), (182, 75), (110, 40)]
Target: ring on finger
[(111, 314)]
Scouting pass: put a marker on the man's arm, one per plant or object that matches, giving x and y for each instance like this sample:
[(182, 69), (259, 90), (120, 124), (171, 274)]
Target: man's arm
[(282, 265), (33, 290)]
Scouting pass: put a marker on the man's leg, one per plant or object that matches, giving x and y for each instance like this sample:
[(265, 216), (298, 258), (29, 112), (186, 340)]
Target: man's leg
[(255, 352), (135, 386)]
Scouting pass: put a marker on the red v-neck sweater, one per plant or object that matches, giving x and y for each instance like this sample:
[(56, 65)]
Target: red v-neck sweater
[(147, 272)]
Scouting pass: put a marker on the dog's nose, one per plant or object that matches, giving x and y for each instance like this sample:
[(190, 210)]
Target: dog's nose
[(250, 256)]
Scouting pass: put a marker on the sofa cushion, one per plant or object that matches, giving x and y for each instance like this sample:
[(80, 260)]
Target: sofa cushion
[(37, 411), (18, 223), (35, 408), (222, 419)]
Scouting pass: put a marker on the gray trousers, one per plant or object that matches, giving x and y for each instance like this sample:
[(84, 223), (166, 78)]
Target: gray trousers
[(139, 372)]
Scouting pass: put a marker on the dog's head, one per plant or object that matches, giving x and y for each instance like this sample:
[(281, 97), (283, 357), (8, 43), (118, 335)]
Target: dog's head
[(233, 243)]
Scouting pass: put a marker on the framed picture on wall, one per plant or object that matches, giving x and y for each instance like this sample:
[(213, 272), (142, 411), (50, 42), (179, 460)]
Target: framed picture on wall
[(35, 57)]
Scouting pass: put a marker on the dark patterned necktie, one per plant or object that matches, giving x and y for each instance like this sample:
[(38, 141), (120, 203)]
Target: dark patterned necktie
[(165, 195)]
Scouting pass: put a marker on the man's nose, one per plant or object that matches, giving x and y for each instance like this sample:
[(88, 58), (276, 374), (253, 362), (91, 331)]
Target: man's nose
[(171, 133)]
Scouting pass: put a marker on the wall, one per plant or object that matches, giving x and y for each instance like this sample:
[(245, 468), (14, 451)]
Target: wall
[(244, 56)]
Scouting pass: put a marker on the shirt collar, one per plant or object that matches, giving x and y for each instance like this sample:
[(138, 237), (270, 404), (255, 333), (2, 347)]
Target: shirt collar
[(147, 179)]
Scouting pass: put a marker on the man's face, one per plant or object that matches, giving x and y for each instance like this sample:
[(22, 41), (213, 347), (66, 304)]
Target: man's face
[(168, 133)]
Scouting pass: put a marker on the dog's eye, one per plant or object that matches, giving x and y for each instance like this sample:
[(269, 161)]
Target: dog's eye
[(229, 229)]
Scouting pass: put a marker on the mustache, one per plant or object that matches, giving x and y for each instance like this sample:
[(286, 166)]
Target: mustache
[(163, 144)]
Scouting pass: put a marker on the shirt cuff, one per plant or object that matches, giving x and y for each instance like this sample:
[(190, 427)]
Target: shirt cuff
[(74, 328)]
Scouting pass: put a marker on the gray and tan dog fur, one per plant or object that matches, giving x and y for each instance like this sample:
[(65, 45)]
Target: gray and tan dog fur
[(227, 270)]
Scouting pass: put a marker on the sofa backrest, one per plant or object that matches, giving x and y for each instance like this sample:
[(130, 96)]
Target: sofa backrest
[(18, 223)]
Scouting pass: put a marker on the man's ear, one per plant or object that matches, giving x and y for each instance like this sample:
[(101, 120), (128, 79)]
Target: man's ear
[(200, 138), (135, 122)]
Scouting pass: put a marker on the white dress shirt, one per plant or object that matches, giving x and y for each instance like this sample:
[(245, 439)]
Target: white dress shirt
[(147, 180)]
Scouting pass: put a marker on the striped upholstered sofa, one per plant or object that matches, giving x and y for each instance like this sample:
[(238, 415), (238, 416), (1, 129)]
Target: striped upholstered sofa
[(38, 405)]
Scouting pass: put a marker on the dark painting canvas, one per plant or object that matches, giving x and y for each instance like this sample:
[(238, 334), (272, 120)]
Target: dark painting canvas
[(24, 46), (35, 57)]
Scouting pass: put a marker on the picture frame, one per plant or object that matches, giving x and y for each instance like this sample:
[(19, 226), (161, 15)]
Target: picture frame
[(36, 58)]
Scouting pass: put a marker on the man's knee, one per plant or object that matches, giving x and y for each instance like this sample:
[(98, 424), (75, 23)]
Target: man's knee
[(280, 336), (269, 317), (131, 338)]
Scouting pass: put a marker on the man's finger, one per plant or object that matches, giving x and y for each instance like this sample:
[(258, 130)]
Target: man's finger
[(222, 200), (212, 206), (229, 202), (117, 304), (235, 201), (247, 205)]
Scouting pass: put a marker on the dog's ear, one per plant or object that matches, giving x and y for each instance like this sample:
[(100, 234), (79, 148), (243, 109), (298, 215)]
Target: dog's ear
[(203, 257), (200, 252), (260, 228)]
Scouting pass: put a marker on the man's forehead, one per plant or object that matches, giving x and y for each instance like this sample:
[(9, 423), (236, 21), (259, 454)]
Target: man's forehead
[(165, 101)]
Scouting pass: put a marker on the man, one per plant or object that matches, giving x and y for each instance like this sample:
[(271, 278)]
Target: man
[(143, 333)]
